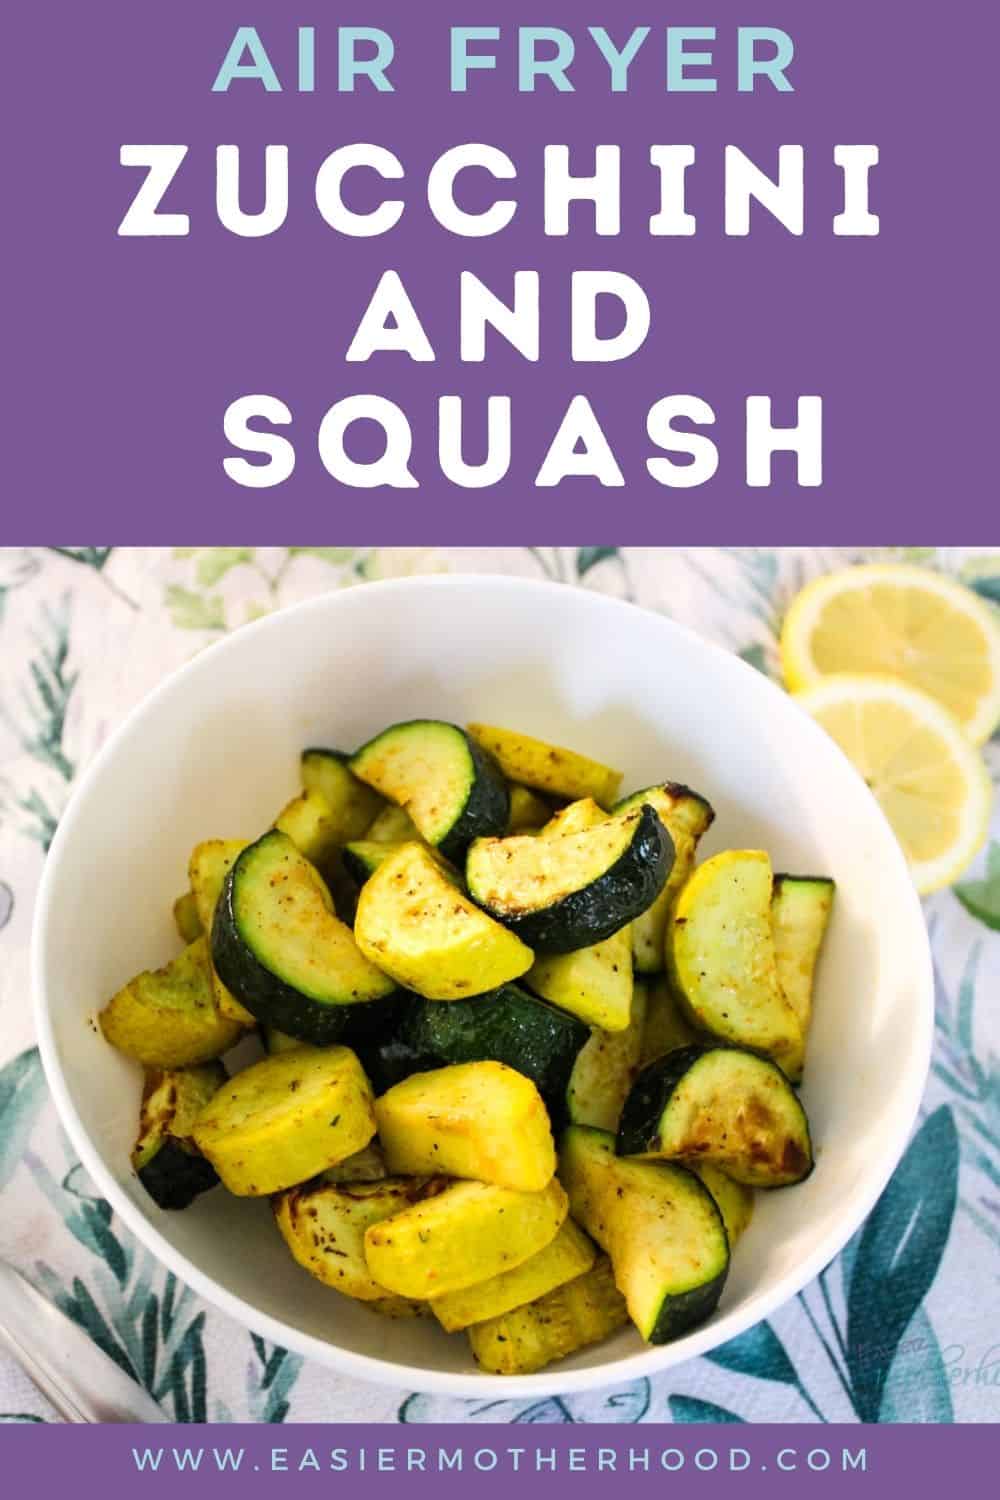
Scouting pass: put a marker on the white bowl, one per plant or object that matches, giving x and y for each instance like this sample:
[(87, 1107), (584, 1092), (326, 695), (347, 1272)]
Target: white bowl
[(213, 753)]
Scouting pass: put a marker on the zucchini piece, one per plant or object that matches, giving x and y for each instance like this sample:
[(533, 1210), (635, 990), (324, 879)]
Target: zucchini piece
[(734, 1200), (720, 955), (309, 822), (666, 1024), (467, 1233), (734, 1109), (362, 857), (686, 816), (279, 948), (571, 892), (508, 1025), (800, 912), (605, 1071), (452, 789), (528, 812), (353, 806), (285, 1119), (393, 826), (323, 1224), (416, 924), (480, 1120), (575, 817), (548, 768), (186, 919), (165, 1158), (563, 1259), (660, 1226), (208, 867), (168, 1018), (581, 1313), (593, 983)]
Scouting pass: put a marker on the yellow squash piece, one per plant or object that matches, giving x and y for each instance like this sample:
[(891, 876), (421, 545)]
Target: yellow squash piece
[(324, 1224), (285, 1119), (666, 1026), (480, 1120), (528, 813), (168, 1018), (564, 1258), (548, 768), (575, 817), (208, 867), (415, 923), (467, 1233), (605, 1069), (393, 826), (186, 919), (594, 983), (309, 822), (720, 952), (582, 1312), (686, 816)]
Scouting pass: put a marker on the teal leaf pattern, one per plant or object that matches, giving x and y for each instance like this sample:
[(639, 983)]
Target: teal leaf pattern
[(690, 1409), (758, 1352), (589, 557), (898, 1255), (916, 1386)]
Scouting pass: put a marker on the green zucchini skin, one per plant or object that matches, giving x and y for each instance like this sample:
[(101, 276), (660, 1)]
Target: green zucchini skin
[(507, 1025), (682, 1311), (485, 807), (642, 1125), (176, 1176), (265, 994), (610, 902)]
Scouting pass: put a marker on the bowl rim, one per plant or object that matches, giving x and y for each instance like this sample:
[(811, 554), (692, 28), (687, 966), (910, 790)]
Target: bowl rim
[(473, 1384)]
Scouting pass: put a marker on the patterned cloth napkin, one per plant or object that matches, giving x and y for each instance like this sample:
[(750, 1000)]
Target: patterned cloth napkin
[(902, 1327)]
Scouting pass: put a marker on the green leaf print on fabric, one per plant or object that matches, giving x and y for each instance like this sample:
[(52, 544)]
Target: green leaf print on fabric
[(22, 1095), (589, 557), (191, 611), (40, 722), (216, 562), (981, 898), (269, 1387)]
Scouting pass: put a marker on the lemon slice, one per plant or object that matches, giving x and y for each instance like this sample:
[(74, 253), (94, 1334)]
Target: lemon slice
[(932, 785), (902, 621)]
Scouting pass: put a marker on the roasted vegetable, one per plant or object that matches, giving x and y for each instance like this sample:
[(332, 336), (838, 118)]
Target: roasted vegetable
[(565, 1257), (666, 1025), (285, 1119), (659, 1224), (734, 1200), (393, 826), (720, 952), (208, 867), (165, 1157), (279, 948), (593, 983), (528, 812), (186, 919), (309, 822), (353, 806), (575, 817), (480, 1120), (169, 1017), (548, 768), (800, 911), (570, 892), (582, 1312), (324, 1224), (734, 1109), (686, 816), (416, 924), (465, 1234), (605, 1071), (366, 1165), (452, 789), (507, 1025)]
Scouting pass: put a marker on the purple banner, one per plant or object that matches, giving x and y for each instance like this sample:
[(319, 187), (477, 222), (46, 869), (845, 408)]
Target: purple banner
[(711, 1461), (125, 351)]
